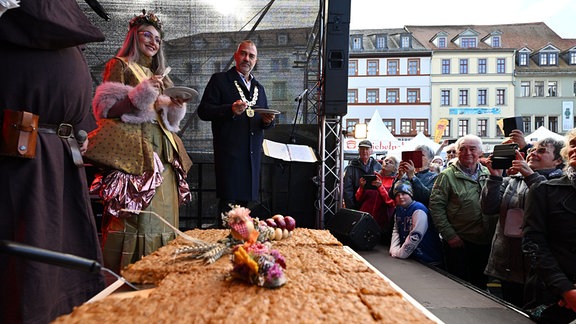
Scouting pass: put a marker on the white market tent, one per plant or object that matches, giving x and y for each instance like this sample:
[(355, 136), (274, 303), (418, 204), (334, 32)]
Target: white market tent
[(380, 136), (542, 133)]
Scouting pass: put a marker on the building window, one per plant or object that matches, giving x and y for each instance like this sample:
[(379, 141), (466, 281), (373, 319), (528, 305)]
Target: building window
[(350, 123), (447, 129), (392, 95), (495, 41), (525, 89), (462, 127), (463, 98), (390, 124), (548, 58), (553, 124), (538, 121), (357, 43), (352, 96), (279, 91), (413, 66), (372, 95), (282, 39), (523, 59), (463, 66), (481, 66), (442, 42), (405, 41), (413, 95), (445, 98), (501, 65), (482, 127), (572, 60), (372, 67), (392, 67), (421, 126), (500, 96), (352, 67), (482, 96), (381, 41), (526, 122), (538, 88), (552, 88), (280, 64), (446, 66), (468, 42), (405, 127)]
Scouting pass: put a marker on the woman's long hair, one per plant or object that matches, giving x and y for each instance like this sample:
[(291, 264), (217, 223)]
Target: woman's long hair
[(130, 51)]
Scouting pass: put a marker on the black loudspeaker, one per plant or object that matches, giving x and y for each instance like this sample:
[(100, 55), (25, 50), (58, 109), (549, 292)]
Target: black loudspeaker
[(336, 57), (355, 228)]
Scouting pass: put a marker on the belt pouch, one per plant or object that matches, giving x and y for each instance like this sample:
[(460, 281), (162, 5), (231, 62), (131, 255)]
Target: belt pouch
[(19, 134)]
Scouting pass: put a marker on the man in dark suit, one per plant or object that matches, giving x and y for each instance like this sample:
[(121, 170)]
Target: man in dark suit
[(238, 131)]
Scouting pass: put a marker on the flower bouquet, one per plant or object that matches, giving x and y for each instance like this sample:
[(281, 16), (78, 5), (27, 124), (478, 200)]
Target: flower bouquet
[(258, 264)]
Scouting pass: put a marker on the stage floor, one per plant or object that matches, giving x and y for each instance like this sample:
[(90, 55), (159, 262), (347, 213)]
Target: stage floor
[(448, 299)]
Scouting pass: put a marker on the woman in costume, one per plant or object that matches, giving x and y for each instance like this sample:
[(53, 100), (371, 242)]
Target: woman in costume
[(144, 161)]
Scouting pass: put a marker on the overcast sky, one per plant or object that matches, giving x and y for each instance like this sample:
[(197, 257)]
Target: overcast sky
[(559, 15)]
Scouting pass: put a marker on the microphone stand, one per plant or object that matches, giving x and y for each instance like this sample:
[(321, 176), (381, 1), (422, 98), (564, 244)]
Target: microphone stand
[(299, 99)]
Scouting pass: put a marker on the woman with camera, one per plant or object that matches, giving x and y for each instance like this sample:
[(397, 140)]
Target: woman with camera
[(507, 196)]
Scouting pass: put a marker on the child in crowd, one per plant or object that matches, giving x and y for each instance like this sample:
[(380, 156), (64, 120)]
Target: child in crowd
[(414, 234)]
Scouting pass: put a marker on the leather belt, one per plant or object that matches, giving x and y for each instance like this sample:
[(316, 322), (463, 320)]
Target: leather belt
[(66, 133)]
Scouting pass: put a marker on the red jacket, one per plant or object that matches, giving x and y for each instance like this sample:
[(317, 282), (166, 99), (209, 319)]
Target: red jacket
[(377, 202)]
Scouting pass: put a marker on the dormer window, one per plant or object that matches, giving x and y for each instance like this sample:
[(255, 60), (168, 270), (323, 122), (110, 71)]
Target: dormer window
[(523, 59), (572, 59), (356, 42), (548, 59), (468, 42), (442, 42), (548, 56), (405, 41), (381, 41), (495, 41)]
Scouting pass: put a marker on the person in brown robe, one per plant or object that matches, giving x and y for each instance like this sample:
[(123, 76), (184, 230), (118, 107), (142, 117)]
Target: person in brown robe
[(44, 201)]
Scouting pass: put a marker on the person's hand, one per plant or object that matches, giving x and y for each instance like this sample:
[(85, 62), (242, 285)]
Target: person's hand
[(517, 136), (267, 118), (407, 168), (568, 300), (362, 182), (162, 101), (84, 147), (520, 165), (377, 183), (456, 242), (179, 101), (156, 81), (488, 164), (238, 107)]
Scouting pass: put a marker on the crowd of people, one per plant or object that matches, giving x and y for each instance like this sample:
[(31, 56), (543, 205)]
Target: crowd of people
[(515, 225)]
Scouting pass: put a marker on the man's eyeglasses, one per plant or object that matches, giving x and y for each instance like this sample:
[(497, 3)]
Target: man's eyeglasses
[(149, 36), (451, 151)]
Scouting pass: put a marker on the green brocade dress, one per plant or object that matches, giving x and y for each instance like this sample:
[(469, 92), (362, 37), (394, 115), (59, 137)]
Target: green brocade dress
[(128, 239)]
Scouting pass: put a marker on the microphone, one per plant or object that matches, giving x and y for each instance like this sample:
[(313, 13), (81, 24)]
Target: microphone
[(81, 136), (301, 95), (98, 9)]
